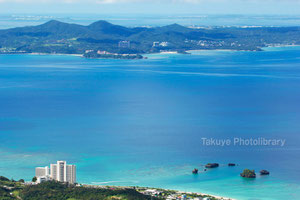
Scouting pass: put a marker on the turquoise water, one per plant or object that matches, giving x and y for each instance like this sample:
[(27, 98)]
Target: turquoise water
[(140, 122)]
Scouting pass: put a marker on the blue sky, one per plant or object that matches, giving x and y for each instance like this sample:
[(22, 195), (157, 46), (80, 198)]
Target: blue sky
[(152, 6)]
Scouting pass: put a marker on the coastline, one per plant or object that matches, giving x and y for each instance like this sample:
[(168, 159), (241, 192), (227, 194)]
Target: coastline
[(54, 54), (145, 54), (41, 54), (287, 45), (225, 50), (202, 50), (13, 189), (168, 52), (188, 52), (236, 192), (154, 191)]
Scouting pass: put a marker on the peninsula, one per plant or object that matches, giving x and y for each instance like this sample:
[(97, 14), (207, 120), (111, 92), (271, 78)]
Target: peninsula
[(102, 39)]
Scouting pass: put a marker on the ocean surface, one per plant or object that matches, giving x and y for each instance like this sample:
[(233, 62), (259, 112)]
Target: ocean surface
[(133, 20), (141, 122)]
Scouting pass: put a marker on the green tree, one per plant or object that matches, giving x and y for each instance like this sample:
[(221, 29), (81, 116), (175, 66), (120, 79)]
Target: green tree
[(34, 179), (247, 173)]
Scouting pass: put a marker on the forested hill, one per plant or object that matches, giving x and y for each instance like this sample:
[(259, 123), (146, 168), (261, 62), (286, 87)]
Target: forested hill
[(51, 190), (59, 37)]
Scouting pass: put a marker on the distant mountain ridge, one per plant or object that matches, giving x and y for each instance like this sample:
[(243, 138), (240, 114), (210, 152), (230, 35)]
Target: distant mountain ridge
[(60, 37)]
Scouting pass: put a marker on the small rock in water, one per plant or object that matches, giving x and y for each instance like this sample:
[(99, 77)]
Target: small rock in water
[(264, 172), (247, 173), (212, 165)]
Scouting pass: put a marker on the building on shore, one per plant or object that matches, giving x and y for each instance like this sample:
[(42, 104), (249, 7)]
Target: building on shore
[(42, 171), (155, 44), (42, 174), (164, 44), (60, 172), (41, 179), (103, 52), (160, 44)]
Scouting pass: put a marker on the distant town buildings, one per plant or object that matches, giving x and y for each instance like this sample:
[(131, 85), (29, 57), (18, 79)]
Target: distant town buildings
[(160, 44), (124, 44), (175, 195), (103, 52), (89, 51), (155, 44), (59, 172), (164, 44)]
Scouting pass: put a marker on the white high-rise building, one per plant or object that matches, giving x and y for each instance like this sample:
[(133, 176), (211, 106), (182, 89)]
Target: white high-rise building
[(71, 174), (42, 171), (53, 171), (42, 174), (59, 172), (63, 172)]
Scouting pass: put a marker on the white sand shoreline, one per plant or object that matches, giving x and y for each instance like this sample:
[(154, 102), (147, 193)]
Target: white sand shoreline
[(53, 54), (177, 192), (288, 45)]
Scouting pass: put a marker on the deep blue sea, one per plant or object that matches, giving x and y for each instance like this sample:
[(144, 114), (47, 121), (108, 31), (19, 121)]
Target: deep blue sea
[(140, 122)]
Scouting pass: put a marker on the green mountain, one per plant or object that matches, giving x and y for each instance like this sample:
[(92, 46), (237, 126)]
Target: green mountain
[(58, 37)]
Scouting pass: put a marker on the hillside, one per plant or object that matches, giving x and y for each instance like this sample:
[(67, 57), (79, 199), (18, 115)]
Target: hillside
[(52, 190), (59, 37), (13, 190)]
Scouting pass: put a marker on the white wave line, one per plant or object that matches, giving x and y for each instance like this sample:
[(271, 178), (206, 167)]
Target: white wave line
[(213, 74)]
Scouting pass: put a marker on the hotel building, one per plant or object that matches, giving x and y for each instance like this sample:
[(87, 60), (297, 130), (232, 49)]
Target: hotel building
[(42, 171), (60, 172)]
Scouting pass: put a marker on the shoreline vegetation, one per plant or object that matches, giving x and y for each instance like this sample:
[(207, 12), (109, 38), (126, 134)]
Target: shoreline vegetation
[(164, 193), (102, 39), (137, 56), (52, 190), (11, 189)]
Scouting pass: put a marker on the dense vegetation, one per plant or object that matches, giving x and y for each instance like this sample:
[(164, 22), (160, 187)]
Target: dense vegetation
[(212, 165), (247, 173), (9, 186), (10, 190), (53, 190), (113, 56), (59, 37)]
